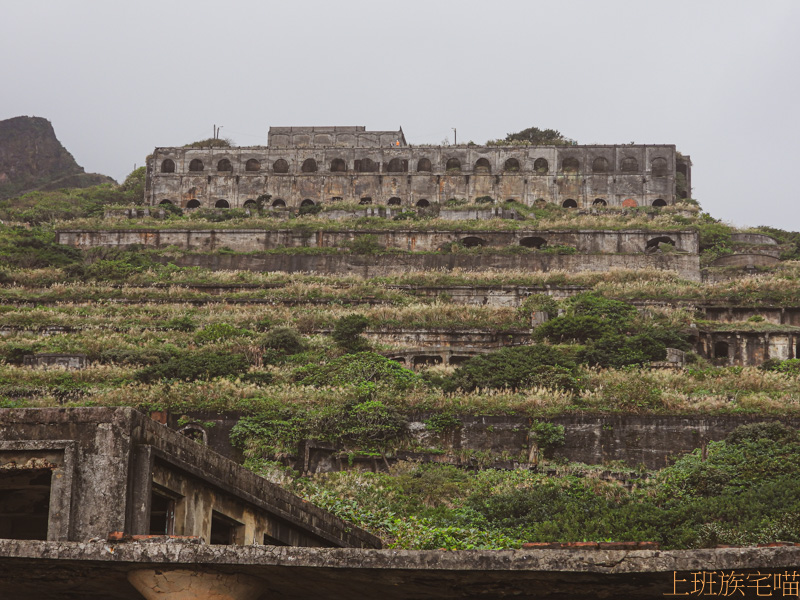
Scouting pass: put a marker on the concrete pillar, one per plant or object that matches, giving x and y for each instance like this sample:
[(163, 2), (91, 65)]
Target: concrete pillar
[(183, 584)]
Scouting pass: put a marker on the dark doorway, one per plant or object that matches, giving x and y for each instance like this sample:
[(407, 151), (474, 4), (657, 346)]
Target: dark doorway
[(721, 350), (24, 503)]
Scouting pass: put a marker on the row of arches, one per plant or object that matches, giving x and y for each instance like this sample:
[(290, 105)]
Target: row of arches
[(399, 165), (395, 201)]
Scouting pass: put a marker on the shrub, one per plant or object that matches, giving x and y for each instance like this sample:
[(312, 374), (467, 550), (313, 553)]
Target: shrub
[(217, 332), (284, 340), (347, 333), (538, 303), (547, 436), (518, 367), (365, 244), (191, 366), (183, 323), (358, 369)]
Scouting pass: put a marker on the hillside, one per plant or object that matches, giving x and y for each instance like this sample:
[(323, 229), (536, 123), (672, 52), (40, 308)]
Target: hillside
[(32, 158), (444, 407)]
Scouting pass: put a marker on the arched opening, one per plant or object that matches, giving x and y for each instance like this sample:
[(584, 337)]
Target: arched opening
[(658, 167), (599, 165), (659, 202), (599, 202), (397, 165), (196, 165), (629, 165), (512, 164), (424, 165), (252, 165), (453, 164), (250, 203), (721, 350), (278, 203), (338, 166), (629, 203), (472, 242), (541, 166), (168, 166), (510, 200), (654, 244), (570, 165), (422, 203), (569, 203), (307, 202), (221, 203), (309, 166), (195, 432), (280, 166), (365, 165), (533, 242), (394, 201), (336, 199), (366, 200), (427, 360), (193, 203), (540, 203), (482, 165), (165, 201), (224, 165)]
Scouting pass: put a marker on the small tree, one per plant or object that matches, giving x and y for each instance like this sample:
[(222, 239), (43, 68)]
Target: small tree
[(347, 333)]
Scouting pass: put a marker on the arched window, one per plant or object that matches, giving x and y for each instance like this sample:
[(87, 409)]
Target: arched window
[(250, 203), (599, 202), (512, 164), (165, 201), (309, 166), (365, 200), (278, 203), (599, 165), (252, 165), (483, 166), (629, 165), (365, 165), (193, 203), (659, 202), (196, 165), (337, 166), (721, 350), (533, 242), (422, 203), (424, 165), (307, 202), (453, 164), (221, 203), (168, 166), (280, 166), (472, 242), (224, 165), (569, 203), (541, 166), (658, 167), (570, 165), (654, 243), (397, 165), (394, 201), (336, 199)]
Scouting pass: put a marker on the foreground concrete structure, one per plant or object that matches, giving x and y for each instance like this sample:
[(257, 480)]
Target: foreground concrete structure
[(72, 571), (82, 473), (304, 166)]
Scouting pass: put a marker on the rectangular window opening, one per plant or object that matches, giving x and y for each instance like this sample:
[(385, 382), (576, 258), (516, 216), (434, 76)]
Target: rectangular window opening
[(25, 503), (162, 514), (224, 530)]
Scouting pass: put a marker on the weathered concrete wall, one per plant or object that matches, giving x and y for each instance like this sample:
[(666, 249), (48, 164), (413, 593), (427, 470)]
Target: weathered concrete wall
[(254, 240), (686, 265), (652, 441), (779, 315), (748, 348), (746, 260), (613, 175)]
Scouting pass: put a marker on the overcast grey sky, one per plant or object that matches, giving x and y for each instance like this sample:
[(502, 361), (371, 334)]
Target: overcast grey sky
[(719, 79)]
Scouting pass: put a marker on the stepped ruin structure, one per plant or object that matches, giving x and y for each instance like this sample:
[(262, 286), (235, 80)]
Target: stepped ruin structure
[(306, 166)]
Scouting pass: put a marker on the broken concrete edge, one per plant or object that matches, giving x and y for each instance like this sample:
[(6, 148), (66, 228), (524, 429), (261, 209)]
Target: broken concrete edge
[(200, 557)]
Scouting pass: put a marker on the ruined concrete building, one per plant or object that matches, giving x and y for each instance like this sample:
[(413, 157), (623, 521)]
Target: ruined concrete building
[(306, 166)]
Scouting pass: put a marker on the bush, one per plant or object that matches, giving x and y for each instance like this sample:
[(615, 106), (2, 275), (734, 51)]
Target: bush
[(538, 303), (284, 340), (191, 366), (365, 244), (217, 332), (347, 333), (183, 323), (359, 369), (547, 436), (518, 367)]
